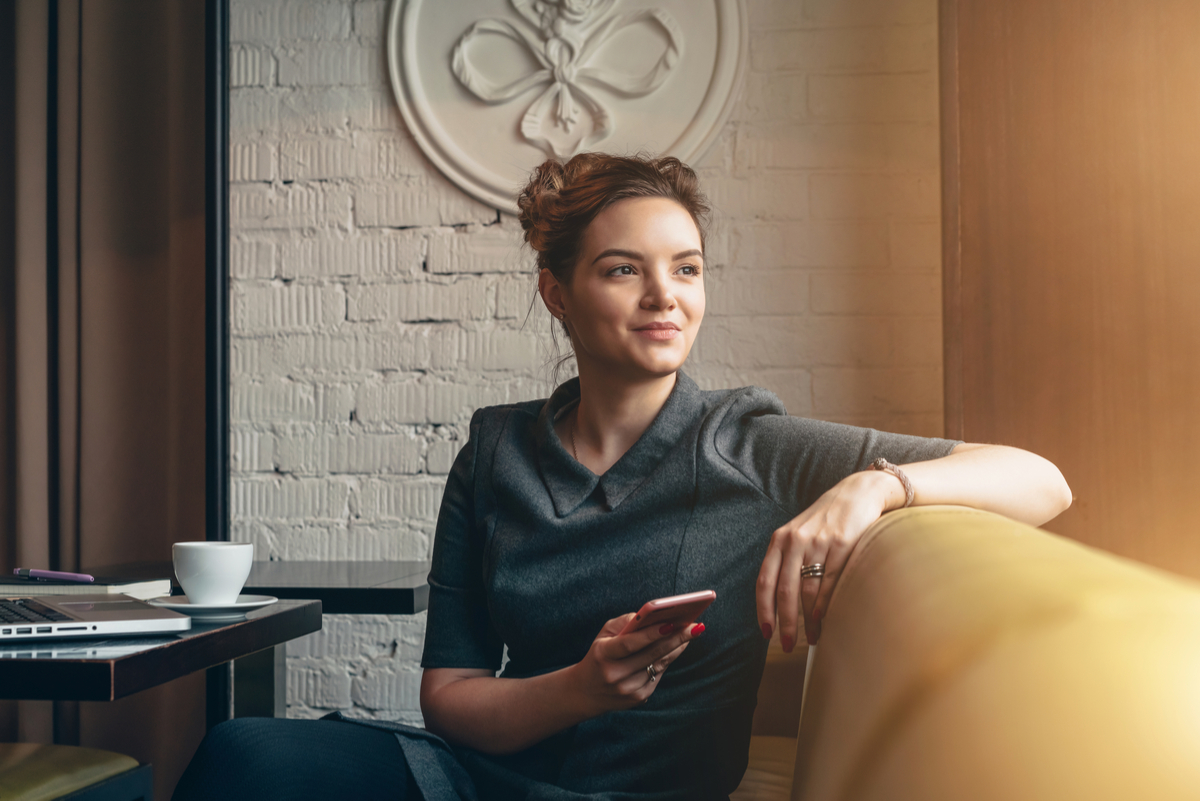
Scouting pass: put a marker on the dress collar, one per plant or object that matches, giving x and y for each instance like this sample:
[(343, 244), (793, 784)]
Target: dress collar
[(570, 483)]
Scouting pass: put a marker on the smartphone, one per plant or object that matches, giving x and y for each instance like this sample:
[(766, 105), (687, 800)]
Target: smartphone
[(682, 610)]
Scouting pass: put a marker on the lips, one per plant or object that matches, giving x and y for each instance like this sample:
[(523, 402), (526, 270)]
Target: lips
[(658, 331)]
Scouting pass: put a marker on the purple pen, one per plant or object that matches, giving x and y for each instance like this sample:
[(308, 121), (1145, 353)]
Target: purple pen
[(82, 578)]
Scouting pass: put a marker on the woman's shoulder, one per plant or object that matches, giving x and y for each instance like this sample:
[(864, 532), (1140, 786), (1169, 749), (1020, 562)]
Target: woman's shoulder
[(489, 417), (739, 422), (489, 424), (725, 406)]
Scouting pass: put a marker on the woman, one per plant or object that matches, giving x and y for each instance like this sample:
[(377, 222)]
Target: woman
[(562, 517)]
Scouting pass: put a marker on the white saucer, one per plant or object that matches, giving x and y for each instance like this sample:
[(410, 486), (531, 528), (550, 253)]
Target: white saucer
[(213, 613)]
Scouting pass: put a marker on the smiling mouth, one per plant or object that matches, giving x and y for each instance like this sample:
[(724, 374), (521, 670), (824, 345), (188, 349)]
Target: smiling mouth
[(658, 331)]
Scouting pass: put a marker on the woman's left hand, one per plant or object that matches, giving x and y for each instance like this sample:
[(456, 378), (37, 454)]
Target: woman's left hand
[(825, 532), (996, 478)]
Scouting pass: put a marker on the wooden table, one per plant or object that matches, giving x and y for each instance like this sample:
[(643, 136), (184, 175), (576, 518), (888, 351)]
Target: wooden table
[(112, 668), (256, 685), (351, 588)]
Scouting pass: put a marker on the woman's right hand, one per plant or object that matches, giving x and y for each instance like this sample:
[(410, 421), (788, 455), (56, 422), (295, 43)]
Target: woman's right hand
[(473, 707), (613, 674)]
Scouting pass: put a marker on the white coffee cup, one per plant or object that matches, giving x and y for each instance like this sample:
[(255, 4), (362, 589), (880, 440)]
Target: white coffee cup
[(212, 573)]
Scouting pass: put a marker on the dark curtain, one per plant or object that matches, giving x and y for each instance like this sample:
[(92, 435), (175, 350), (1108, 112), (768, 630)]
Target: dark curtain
[(8, 308), (102, 337)]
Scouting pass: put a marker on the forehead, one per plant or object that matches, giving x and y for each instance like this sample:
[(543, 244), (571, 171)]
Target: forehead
[(644, 224)]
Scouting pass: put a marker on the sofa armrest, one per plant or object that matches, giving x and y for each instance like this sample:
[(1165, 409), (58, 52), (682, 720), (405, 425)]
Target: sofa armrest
[(965, 655)]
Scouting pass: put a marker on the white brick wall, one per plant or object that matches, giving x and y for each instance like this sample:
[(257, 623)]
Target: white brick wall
[(375, 306)]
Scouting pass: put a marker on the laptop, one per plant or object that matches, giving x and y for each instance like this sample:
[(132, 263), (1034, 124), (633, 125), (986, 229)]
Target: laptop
[(62, 616)]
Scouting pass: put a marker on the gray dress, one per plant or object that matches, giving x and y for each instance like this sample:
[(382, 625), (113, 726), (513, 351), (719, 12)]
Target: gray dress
[(535, 552)]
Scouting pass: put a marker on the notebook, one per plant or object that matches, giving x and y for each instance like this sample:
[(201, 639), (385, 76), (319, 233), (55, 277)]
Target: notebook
[(12, 586), (59, 617)]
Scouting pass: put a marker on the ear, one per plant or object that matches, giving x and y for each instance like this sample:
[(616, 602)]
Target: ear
[(552, 293)]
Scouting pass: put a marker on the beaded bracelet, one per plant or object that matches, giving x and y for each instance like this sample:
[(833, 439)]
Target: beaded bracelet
[(888, 467)]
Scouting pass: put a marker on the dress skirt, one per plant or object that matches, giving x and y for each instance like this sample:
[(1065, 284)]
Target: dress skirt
[(276, 759)]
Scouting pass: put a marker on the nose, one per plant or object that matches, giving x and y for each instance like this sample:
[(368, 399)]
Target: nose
[(658, 295)]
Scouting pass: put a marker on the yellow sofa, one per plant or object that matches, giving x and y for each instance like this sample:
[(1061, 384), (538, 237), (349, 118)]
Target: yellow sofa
[(966, 656)]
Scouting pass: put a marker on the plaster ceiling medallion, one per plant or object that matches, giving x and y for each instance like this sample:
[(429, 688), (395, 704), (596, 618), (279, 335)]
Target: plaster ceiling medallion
[(491, 88)]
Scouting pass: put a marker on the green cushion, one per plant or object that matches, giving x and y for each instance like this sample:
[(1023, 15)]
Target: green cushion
[(33, 772)]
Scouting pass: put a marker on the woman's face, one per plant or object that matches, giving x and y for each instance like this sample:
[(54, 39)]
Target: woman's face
[(636, 297)]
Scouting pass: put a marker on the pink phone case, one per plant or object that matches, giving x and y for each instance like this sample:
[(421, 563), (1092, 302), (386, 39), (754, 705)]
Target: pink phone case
[(682, 610)]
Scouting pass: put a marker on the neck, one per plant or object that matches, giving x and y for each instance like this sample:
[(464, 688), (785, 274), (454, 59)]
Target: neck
[(612, 415)]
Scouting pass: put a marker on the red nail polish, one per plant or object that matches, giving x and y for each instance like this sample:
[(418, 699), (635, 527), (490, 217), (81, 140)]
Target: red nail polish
[(787, 643), (697, 629), (667, 628), (767, 630)]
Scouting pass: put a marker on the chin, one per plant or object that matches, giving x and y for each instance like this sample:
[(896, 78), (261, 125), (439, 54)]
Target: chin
[(659, 368), (641, 364)]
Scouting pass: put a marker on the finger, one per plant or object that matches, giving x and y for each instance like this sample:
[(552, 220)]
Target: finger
[(768, 577), (661, 664), (613, 627), (810, 586), (640, 683), (787, 594), (835, 562), (665, 662), (650, 678), (658, 650), (642, 694), (637, 685), (620, 646)]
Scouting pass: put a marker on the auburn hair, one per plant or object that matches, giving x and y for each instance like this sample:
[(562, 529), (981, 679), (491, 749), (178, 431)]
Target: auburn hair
[(561, 200)]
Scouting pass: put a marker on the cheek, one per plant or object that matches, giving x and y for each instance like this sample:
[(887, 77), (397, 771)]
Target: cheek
[(696, 305), (608, 308), (599, 322)]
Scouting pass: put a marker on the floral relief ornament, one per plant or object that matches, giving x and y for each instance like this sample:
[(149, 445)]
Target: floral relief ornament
[(563, 36)]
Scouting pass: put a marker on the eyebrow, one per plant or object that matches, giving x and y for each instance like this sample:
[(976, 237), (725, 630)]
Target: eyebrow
[(633, 254)]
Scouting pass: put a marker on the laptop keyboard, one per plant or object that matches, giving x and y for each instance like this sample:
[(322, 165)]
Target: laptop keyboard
[(27, 610)]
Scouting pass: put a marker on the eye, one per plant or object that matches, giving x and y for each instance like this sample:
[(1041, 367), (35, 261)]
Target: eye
[(624, 269), (690, 269)]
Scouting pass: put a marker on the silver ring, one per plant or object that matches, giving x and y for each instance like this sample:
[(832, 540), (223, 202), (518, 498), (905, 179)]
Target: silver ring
[(815, 570), (651, 672)]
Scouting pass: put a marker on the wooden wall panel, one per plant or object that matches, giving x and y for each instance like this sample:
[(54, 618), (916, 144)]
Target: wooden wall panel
[(1071, 150)]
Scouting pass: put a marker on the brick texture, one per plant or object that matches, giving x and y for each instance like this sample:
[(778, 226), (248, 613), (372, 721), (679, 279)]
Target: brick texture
[(376, 306)]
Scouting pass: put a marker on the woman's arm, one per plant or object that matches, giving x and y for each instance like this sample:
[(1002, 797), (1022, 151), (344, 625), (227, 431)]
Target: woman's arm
[(495, 715), (503, 716), (996, 478)]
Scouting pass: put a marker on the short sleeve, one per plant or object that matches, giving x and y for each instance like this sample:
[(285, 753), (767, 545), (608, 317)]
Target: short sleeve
[(458, 631), (794, 460)]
